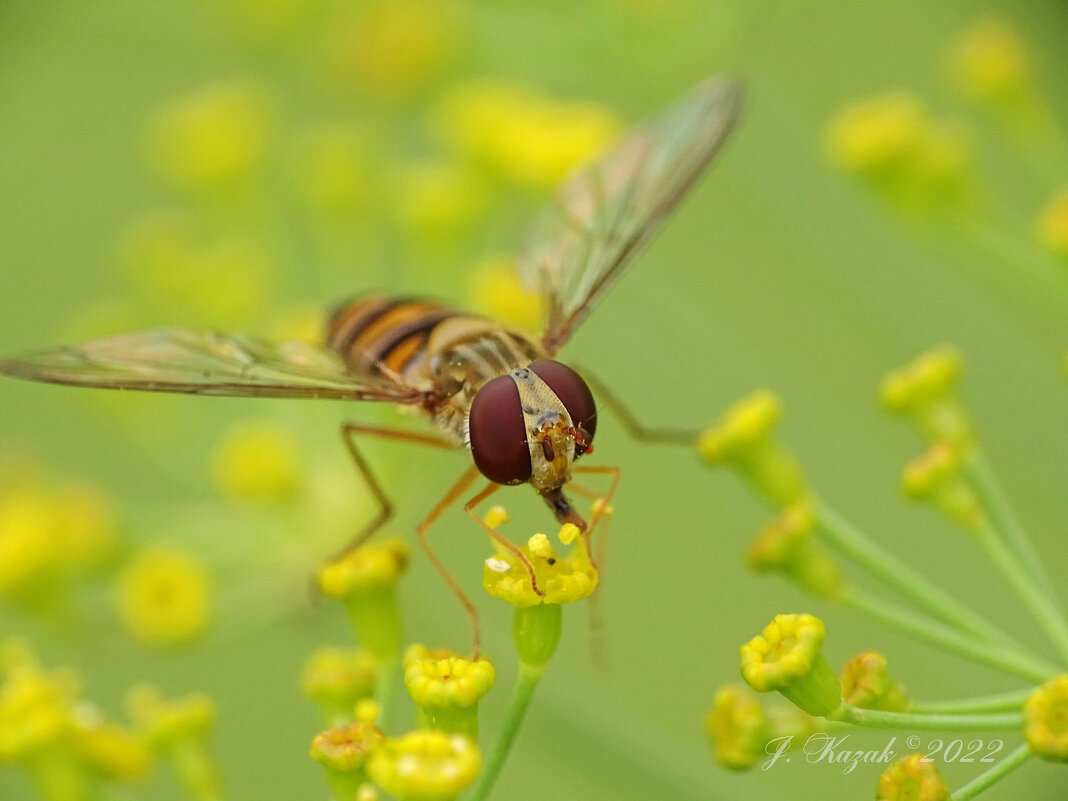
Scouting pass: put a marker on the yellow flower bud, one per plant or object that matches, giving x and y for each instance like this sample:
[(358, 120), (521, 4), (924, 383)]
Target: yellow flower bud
[(425, 765), (866, 684), (912, 778), (786, 657), (1046, 720)]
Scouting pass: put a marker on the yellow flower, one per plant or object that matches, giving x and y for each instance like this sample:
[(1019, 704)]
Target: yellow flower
[(744, 439), (257, 460), (425, 765), (110, 750), (1053, 225), (935, 477), (365, 579), (494, 289), (787, 546), (447, 688), (926, 391), (390, 47), (738, 728), (164, 596), (1046, 720), (565, 580), (912, 778), (337, 678), (36, 710), (29, 545), (521, 133), (786, 657), (346, 748), (891, 141), (214, 136), (866, 684), (990, 62), (179, 728)]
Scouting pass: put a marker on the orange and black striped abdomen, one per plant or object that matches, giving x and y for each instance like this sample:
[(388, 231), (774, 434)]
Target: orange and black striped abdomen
[(378, 329)]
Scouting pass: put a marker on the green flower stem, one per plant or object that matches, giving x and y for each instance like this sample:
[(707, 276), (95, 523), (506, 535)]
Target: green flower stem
[(877, 719), (526, 682), (995, 774), (1002, 702), (1045, 610), (981, 479), (856, 546), (949, 639), (385, 688)]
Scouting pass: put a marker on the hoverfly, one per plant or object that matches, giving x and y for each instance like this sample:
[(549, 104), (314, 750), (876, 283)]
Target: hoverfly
[(525, 417)]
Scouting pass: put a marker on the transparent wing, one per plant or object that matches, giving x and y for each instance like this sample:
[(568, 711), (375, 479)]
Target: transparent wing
[(206, 363), (604, 214)]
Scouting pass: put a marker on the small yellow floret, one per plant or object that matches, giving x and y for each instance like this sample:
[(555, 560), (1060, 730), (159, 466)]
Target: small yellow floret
[(928, 378), (339, 677), (990, 62), (166, 722), (213, 137), (450, 682), (563, 580), (257, 460), (346, 748), (569, 532), (111, 751), (737, 727), (425, 765), (746, 424), (867, 684), (528, 137), (878, 134), (1046, 720), (1053, 225), (36, 710), (367, 569), (784, 651), (912, 778), (164, 596)]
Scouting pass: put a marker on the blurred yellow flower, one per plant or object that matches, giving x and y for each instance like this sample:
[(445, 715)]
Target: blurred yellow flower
[(912, 778), (257, 460), (215, 136), (493, 288), (36, 710), (521, 133), (164, 596), (425, 765), (29, 547), (1046, 720), (891, 140), (1052, 226), (391, 47), (111, 751), (86, 533), (990, 62)]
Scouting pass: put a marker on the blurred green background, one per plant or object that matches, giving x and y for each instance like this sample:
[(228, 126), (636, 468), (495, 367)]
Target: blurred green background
[(778, 272)]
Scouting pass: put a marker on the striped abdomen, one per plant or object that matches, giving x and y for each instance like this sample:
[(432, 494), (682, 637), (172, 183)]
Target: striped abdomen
[(430, 346)]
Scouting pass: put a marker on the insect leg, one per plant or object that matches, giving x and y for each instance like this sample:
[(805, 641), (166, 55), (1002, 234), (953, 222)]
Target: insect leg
[(671, 436), (348, 433), (598, 509), (500, 538), (450, 498)]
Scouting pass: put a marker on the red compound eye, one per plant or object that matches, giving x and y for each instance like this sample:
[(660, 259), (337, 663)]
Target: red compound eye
[(498, 432), (573, 393)]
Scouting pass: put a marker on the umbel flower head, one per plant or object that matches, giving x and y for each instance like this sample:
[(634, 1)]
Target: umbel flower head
[(925, 390), (786, 657), (1046, 720), (787, 546)]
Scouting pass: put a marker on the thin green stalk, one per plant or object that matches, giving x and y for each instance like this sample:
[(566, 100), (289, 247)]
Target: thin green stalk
[(994, 775), (1045, 611), (856, 546), (980, 477), (877, 719), (949, 639), (1001, 702), (526, 682)]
